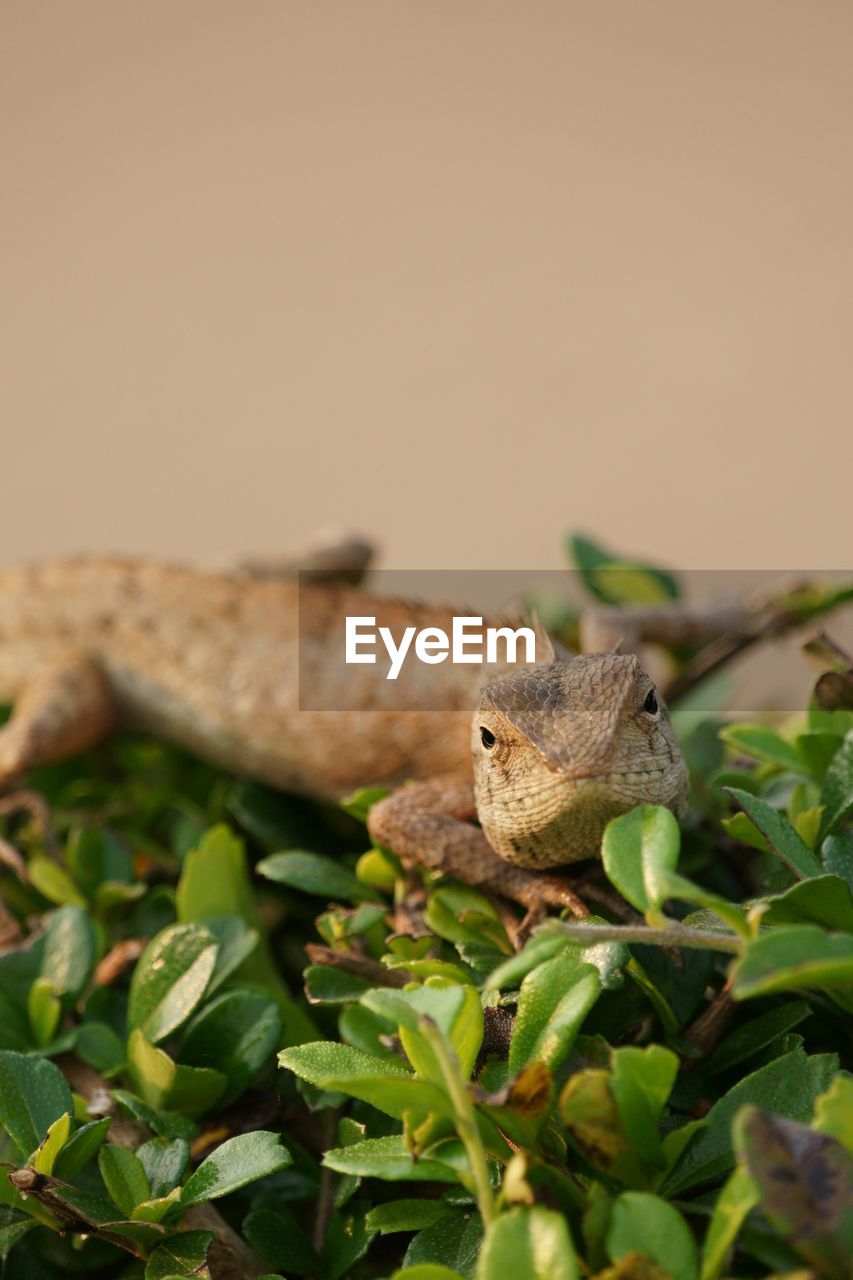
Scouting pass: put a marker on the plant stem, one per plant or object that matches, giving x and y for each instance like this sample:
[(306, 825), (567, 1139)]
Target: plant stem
[(465, 1116), (675, 935)]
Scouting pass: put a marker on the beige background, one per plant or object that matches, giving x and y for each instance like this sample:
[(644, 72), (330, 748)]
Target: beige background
[(463, 274)]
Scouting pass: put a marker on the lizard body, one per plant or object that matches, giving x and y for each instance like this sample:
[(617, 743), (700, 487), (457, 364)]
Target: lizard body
[(211, 662)]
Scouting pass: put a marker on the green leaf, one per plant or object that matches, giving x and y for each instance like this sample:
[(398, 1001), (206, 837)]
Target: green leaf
[(553, 1001), (359, 803), (80, 1148), (341, 1069), (805, 1184), (454, 1239), (165, 1162), (124, 1177), (405, 1215), (456, 1010), (796, 956), (53, 881), (278, 1236), (44, 1011), (779, 834), (378, 869), (325, 984), (838, 722), (543, 944), (12, 1232), (99, 1046), (824, 900), (156, 1210), (236, 943), (235, 1163), (33, 1093), (97, 856), (237, 1034), (833, 1113), (639, 848), (183, 1255), (742, 830), (529, 1243), (737, 1197), (347, 1240), (837, 793), (645, 1224), (756, 1034), (764, 744), (163, 1083), (807, 823), (837, 853), (45, 1158), (389, 1159), (589, 1111), (642, 1080), (616, 581), (166, 1124), (170, 980), (68, 957), (465, 917), (315, 874), (817, 751), (427, 1271), (215, 882), (677, 886), (548, 940), (788, 1085)]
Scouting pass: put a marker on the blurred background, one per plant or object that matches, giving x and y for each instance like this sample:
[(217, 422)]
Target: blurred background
[(459, 275)]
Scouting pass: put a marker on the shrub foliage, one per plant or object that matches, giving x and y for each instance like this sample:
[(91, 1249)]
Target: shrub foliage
[(235, 1040)]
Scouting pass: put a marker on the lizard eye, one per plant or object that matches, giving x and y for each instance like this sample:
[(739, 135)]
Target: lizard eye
[(487, 737), (651, 703)]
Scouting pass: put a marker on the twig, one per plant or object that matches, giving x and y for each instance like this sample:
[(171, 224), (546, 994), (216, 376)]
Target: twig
[(766, 619), (712, 1022), (326, 1195), (11, 933), (11, 858), (608, 898), (833, 690), (230, 1258), (39, 811), (118, 960), (360, 966), (674, 935)]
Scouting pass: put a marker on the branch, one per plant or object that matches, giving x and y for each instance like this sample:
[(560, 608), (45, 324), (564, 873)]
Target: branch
[(674, 935), (230, 1257), (360, 966)]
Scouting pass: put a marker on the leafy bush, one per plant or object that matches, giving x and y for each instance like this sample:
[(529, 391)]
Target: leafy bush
[(435, 1095)]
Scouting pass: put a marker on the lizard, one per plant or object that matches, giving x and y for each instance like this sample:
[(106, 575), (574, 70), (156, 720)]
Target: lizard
[(210, 661), (558, 750)]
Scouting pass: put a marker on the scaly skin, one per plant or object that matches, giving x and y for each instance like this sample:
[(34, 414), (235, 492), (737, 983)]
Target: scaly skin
[(210, 661), (558, 751)]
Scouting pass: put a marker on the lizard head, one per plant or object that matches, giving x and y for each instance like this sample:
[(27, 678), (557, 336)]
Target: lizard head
[(561, 749)]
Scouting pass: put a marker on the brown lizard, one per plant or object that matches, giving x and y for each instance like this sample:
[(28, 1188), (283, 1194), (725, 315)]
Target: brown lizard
[(558, 751), (210, 661)]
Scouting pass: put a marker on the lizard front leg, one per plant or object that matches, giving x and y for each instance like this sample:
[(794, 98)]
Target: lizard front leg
[(428, 823), (65, 708)]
